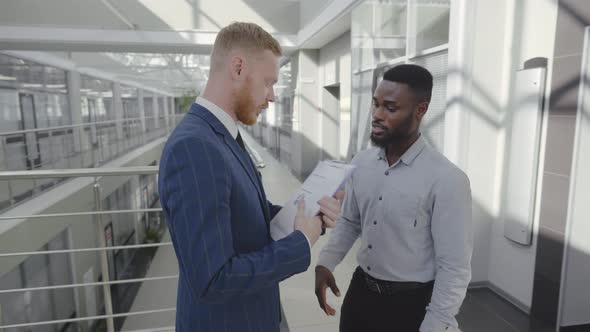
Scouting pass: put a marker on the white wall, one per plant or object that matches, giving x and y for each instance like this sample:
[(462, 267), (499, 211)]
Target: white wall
[(312, 71), (310, 9), (505, 34), (473, 113), (306, 113), (532, 35), (575, 291), (335, 67)]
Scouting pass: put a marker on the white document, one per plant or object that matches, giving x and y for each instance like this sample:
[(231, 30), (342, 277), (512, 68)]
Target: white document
[(325, 180)]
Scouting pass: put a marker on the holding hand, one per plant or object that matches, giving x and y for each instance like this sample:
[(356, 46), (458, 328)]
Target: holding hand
[(311, 227), (330, 209)]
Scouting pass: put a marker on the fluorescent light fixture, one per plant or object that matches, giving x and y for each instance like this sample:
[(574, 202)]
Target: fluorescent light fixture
[(7, 78), (55, 86), (32, 85)]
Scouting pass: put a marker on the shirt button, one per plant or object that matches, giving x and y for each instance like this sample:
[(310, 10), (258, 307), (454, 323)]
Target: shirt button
[(375, 222), (370, 246), (386, 172), (369, 268), (380, 198)]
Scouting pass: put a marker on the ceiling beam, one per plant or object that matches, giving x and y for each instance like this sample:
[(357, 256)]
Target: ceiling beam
[(119, 15), (106, 40), (329, 24)]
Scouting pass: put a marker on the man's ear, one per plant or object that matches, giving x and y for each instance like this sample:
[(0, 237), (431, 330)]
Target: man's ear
[(237, 67), (421, 109)]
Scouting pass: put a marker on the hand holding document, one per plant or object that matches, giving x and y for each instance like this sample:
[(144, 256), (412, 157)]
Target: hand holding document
[(325, 180)]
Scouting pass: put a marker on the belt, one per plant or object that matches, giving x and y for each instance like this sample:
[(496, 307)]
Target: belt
[(385, 287)]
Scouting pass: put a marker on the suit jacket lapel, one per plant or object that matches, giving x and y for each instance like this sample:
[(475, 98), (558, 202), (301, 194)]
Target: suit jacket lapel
[(248, 165), (264, 201), (235, 148)]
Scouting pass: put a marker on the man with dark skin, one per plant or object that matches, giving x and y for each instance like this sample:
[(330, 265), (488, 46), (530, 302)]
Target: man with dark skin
[(411, 207)]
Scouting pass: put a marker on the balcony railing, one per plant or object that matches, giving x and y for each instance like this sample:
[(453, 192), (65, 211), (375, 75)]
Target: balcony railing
[(98, 216), (102, 249), (73, 146)]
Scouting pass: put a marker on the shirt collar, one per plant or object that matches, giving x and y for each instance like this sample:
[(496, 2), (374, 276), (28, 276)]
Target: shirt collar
[(221, 115), (410, 154)]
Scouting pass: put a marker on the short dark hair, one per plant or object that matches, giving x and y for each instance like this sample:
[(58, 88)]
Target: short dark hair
[(418, 78)]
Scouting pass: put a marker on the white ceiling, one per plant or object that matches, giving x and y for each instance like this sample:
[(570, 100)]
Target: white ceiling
[(174, 73), (160, 43), (151, 15)]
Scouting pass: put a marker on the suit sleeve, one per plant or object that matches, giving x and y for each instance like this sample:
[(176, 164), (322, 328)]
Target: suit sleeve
[(195, 191)]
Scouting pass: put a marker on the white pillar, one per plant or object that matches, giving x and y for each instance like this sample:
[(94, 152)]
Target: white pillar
[(141, 106), (75, 102), (459, 81), (156, 111), (305, 141), (136, 204), (166, 112), (173, 111), (118, 110)]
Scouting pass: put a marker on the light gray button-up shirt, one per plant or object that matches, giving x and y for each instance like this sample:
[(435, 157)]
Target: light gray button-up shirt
[(414, 221)]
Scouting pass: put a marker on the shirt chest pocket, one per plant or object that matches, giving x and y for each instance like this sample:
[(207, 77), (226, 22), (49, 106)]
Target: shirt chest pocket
[(404, 209)]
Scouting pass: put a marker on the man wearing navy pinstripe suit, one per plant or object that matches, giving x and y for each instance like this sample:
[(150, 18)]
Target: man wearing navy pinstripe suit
[(214, 203)]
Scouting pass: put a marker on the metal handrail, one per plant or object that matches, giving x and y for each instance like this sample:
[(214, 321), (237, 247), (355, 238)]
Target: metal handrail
[(73, 320), (78, 172), (70, 251), (85, 124), (88, 284), (158, 329), (79, 214)]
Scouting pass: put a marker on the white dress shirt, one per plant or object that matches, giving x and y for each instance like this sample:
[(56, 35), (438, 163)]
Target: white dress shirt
[(414, 221), (230, 124)]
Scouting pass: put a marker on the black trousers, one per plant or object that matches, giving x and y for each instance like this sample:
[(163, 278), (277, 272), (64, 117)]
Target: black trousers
[(364, 310)]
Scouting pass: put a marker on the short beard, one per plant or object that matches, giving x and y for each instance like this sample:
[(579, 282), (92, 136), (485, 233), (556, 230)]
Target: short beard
[(387, 138), (393, 136), (246, 110)]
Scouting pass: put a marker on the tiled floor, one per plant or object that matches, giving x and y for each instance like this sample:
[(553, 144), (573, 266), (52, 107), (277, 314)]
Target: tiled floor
[(482, 311)]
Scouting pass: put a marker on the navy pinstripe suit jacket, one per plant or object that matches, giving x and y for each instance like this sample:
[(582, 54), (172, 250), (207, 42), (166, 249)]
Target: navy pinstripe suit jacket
[(218, 217)]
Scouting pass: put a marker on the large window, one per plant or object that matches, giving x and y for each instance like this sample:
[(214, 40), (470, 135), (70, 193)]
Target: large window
[(390, 32), (33, 97), (98, 110), (433, 123), (42, 305), (431, 24), (132, 126), (33, 100), (378, 32)]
